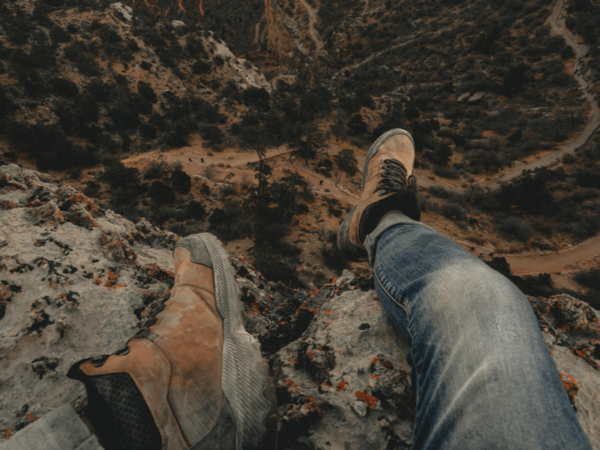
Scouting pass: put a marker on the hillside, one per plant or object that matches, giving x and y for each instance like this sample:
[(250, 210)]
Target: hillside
[(251, 121)]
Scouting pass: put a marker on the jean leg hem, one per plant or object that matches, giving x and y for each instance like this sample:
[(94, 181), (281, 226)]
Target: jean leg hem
[(395, 218)]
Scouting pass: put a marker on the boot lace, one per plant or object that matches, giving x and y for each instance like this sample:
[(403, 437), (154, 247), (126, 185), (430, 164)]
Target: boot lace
[(393, 179)]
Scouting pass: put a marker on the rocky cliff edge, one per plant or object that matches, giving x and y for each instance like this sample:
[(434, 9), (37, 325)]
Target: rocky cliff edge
[(77, 281)]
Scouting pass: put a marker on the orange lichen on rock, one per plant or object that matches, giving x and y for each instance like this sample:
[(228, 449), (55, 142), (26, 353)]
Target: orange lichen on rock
[(112, 279), (571, 385), (375, 299), (369, 400), (292, 387), (6, 204), (341, 386), (255, 307), (328, 312)]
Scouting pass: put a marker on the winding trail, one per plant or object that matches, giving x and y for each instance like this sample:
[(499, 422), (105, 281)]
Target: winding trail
[(563, 260), (312, 30), (555, 262), (558, 26)]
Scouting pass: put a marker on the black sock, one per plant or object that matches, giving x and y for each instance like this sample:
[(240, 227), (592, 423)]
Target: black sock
[(405, 201)]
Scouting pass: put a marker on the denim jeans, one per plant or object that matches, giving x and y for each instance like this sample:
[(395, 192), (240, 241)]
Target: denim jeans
[(482, 374)]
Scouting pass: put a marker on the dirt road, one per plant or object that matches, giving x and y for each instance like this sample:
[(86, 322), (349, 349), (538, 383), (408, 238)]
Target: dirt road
[(568, 260), (557, 22)]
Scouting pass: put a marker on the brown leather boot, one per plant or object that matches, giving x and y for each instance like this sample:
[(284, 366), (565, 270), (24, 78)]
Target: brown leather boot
[(387, 185), (195, 379)]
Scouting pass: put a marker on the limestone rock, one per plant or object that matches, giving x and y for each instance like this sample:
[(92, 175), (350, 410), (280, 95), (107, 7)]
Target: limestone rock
[(122, 11), (63, 294), (476, 97), (345, 373), (464, 97)]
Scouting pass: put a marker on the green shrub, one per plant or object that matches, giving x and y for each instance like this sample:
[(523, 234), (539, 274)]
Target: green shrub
[(346, 161), (228, 224), (161, 194), (453, 210), (181, 181), (195, 210), (516, 228), (146, 92), (64, 88), (118, 176)]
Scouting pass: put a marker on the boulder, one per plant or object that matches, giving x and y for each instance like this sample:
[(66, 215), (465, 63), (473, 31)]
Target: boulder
[(476, 97), (121, 11)]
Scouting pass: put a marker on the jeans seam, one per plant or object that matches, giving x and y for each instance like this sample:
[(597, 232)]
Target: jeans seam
[(409, 328)]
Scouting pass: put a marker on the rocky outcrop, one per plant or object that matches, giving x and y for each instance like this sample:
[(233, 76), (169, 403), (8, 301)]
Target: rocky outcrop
[(236, 22), (345, 382), (77, 281), (282, 31)]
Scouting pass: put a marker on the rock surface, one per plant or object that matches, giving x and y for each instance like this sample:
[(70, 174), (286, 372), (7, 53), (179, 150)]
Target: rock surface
[(77, 281)]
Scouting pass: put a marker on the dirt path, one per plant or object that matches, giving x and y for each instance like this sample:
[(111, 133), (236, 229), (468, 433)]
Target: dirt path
[(570, 259), (567, 260), (312, 19), (191, 159), (557, 23), (371, 58), (184, 155)]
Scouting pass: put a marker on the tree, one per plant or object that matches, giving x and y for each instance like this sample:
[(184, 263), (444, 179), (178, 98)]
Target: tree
[(146, 92), (515, 78), (308, 147), (195, 210), (253, 138), (346, 161), (120, 177), (161, 193), (181, 181), (7, 106), (357, 126)]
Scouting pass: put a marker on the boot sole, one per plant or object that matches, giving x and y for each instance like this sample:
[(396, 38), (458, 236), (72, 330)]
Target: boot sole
[(344, 244), (245, 379)]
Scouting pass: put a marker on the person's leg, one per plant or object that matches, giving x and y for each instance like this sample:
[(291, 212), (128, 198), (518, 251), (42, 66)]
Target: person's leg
[(484, 376)]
